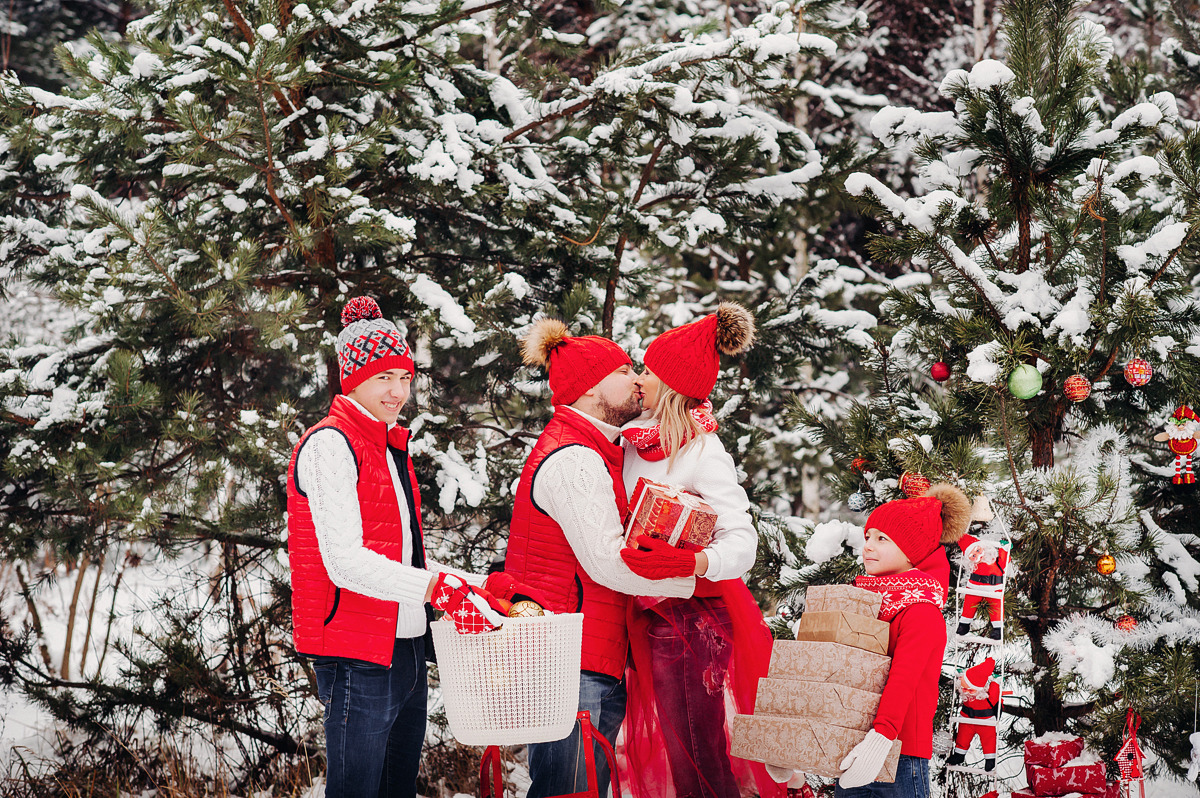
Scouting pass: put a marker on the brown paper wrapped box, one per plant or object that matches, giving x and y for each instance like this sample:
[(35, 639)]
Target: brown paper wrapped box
[(801, 743), (843, 598), (829, 662), (832, 703), (859, 631)]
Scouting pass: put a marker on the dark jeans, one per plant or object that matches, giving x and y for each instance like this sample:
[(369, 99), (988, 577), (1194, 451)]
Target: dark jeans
[(374, 722), (559, 767), (690, 648), (912, 781)]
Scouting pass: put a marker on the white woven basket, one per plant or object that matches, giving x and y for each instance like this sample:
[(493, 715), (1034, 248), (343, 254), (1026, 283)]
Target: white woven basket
[(517, 684)]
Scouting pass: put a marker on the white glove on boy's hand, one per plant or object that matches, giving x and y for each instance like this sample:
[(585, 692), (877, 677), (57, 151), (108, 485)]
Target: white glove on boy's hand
[(863, 763), (781, 774)]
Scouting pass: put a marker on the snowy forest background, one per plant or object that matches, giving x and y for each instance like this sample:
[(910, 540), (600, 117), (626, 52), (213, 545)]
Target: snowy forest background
[(192, 190)]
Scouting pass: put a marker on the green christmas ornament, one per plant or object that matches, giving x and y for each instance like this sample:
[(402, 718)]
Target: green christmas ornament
[(1025, 381)]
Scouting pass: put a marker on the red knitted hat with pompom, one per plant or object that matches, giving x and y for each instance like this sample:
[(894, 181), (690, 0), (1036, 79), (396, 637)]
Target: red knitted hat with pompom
[(369, 344), (687, 358)]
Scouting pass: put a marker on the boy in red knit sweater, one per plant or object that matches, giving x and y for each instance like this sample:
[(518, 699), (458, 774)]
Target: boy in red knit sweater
[(905, 562)]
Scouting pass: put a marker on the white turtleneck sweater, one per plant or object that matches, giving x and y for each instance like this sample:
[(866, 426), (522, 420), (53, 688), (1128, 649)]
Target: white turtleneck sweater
[(327, 471), (705, 468), (574, 487)]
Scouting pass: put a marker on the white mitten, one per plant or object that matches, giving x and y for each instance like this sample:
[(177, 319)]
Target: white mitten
[(863, 763), (781, 774)]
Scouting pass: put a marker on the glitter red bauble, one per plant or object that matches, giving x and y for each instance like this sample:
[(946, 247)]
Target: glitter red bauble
[(1138, 372), (914, 485), (860, 465), (1077, 388), (1126, 623), (939, 371), (1106, 564)]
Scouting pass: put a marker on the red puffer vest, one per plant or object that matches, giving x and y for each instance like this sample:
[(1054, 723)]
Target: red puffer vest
[(327, 620), (539, 554)]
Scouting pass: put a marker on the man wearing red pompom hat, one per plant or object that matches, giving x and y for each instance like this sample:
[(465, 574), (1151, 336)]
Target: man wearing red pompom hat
[(360, 578), (568, 531)]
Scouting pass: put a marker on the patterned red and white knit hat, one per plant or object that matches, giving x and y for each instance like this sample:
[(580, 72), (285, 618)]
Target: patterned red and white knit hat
[(369, 344)]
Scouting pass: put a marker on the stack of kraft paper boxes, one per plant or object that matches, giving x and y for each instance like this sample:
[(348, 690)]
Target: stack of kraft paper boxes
[(822, 692)]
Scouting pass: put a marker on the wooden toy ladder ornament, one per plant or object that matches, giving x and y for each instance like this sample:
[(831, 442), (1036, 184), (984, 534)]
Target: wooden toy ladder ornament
[(491, 772)]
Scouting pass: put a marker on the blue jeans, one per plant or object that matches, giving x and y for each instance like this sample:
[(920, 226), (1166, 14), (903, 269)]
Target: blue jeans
[(559, 767), (374, 722), (691, 644), (912, 781)]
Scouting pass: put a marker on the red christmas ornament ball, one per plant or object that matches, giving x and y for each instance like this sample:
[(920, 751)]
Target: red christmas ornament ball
[(914, 484), (1126, 623), (860, 465), (1138, 372), (1077, 388), (939, 371)]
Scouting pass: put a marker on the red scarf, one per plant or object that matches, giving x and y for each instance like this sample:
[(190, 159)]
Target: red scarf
[(648, 442), (903, 590)]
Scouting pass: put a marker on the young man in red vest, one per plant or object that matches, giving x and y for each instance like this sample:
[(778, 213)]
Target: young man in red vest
[(360, 579), (568, 530)]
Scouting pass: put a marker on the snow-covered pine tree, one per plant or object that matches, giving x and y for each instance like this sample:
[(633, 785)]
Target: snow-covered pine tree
[(208, 194), (1053, 232)]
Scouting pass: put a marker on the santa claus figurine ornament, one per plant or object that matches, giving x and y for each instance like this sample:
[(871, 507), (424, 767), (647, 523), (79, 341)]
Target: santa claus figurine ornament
[(985, 585), (978, 715), (1181, 434)]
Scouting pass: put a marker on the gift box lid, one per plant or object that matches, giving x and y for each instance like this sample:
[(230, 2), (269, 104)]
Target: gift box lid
[(842, 598), (859, 631)]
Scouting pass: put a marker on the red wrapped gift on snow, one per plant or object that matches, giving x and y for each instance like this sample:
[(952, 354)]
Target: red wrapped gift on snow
[(1111, 790), (1052, 749), (670, 513), (1084, 774)]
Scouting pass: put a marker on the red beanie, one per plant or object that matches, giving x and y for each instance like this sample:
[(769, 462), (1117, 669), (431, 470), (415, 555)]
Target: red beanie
[(575, 363), (687, 358), (920, 525), (978, 675), (369, 344), (915, 525)]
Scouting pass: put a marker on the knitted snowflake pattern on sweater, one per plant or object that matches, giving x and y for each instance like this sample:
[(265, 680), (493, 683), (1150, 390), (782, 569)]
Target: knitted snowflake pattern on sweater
[(903, 590)]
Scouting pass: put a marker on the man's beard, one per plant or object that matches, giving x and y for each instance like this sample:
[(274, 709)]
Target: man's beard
[(619, 415)]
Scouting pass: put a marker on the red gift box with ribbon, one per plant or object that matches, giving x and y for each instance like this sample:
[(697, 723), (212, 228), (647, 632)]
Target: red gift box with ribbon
[(1111, 790), (670, 513), (1078, 775), (1053, 749)]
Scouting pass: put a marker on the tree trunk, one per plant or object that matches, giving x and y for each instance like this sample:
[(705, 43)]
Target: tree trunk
[(1042, 437), (35, 620), (87, 633), (1048, 710), (84, 562)]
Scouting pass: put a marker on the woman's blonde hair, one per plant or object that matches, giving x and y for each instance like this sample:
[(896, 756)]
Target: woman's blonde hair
[(678, 429)]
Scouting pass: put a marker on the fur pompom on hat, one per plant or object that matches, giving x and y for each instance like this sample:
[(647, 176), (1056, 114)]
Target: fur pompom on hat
[(369, 344), (687, 358), (920, 525), (575, 364)]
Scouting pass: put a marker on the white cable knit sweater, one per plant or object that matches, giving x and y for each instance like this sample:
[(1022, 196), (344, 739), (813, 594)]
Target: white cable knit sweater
[(574, 487), (327, 472), (705, 468)]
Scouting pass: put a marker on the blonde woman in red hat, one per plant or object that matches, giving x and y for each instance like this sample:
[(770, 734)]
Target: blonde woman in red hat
[(690, 653), (905, 562)]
